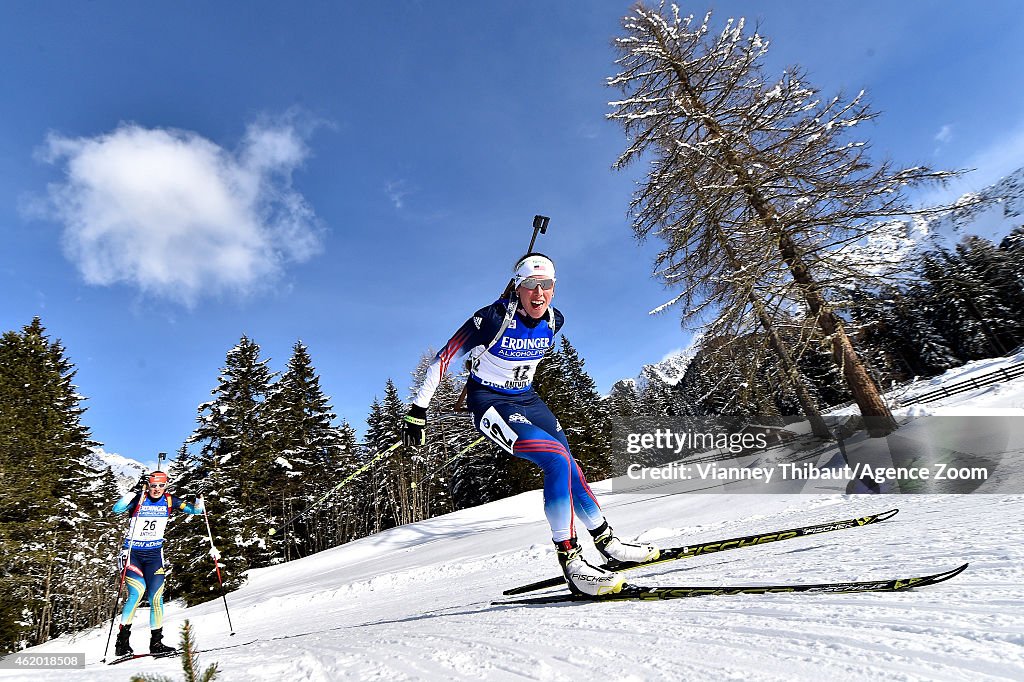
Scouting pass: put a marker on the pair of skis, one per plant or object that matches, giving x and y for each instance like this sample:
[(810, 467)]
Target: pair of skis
[(652, 593), (177, 652), (132, 657)]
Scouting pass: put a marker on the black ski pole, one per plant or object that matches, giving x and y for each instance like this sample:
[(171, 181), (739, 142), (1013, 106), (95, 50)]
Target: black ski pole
[(216, 565)]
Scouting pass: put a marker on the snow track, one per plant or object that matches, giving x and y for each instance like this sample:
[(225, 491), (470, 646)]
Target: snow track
[(414, 602)]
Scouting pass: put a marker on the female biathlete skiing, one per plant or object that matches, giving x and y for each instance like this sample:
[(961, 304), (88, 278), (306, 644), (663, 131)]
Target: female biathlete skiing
[(506, 340), (142, 557)]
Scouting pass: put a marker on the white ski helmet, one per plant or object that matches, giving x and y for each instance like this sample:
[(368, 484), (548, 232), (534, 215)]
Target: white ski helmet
[(534, 265)]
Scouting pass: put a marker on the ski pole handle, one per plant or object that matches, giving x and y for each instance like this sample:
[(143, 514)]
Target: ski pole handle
[(209, 533)]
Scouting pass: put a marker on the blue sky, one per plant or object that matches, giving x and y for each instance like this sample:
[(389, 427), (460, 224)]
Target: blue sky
[(361, 175)]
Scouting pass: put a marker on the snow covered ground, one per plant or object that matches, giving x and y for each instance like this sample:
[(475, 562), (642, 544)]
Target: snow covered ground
[(415, 602)]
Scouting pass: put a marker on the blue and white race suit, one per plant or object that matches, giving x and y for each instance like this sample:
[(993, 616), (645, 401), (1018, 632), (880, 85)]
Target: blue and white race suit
[(508, 411)]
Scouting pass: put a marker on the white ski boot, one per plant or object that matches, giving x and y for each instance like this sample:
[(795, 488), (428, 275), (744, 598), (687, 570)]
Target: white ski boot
[(614, 549), (582, 576)]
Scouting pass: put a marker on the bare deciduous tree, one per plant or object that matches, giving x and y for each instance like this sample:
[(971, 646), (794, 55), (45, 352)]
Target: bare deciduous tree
[(753, 186)]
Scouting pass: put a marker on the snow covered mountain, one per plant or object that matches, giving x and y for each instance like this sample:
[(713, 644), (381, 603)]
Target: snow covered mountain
[(992, 213), (671, 368), (126, 470), (414, 602)]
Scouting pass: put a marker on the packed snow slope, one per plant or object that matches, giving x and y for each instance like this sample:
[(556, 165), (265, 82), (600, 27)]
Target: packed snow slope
[(415, 602)]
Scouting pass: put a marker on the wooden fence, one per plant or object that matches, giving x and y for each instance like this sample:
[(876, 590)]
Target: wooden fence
[(1001, 374)]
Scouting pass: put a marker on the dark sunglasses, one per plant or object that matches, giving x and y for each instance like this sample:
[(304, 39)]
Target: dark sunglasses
[(532, 283)]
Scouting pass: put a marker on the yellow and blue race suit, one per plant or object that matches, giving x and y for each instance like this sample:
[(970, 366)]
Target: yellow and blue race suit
[(144, 554)]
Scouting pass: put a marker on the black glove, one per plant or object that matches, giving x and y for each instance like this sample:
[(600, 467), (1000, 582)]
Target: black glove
[(414, 426)]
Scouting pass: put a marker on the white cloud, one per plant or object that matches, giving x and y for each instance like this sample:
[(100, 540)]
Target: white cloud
[(588, 131), (179, 216), (945, 134), (1001, 156), (397, 190)]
